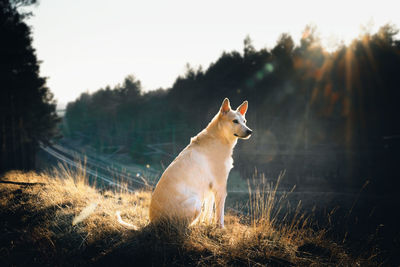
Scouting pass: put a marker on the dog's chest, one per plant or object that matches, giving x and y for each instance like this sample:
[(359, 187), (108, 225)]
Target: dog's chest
[(219, 162), (228, 164), (220, 168)]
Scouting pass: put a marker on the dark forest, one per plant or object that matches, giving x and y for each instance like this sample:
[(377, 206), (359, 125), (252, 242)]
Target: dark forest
[(28, 110)]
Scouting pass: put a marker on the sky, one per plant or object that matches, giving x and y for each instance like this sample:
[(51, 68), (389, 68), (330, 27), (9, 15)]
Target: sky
[(87, 45)]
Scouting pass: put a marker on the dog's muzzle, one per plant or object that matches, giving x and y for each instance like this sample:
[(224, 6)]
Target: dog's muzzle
[(248, 133)]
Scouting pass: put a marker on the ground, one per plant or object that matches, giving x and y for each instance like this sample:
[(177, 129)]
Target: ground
[(58, 219)]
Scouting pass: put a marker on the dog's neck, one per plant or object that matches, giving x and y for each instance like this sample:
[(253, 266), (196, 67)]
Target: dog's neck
[(227, 140), (213, 136)]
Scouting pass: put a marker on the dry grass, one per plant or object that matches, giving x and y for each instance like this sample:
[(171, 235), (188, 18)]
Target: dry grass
[(57, 219)]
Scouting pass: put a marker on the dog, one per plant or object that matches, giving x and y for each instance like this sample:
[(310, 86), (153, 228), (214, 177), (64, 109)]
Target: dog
[(196, 180)]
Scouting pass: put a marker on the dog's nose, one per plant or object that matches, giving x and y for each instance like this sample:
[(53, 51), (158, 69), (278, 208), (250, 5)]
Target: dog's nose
[(249, 132)]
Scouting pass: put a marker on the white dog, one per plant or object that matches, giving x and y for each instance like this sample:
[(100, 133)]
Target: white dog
[(198, 176)]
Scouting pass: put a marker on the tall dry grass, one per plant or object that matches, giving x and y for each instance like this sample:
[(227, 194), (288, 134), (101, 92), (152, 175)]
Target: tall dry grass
[(57, 218)]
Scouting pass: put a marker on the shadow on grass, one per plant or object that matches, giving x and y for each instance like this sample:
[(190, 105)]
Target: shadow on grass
[(153, 245), (168, 244)]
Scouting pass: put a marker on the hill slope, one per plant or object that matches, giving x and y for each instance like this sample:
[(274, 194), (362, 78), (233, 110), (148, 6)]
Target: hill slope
[(58, 219)]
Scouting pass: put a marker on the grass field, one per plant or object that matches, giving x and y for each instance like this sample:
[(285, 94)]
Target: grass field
[(58, 219)]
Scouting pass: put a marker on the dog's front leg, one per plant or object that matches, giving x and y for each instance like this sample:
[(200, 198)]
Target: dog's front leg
[(220, 196), (208, 208)]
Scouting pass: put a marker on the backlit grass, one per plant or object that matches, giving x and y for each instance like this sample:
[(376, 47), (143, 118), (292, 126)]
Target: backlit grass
[(58, 219)]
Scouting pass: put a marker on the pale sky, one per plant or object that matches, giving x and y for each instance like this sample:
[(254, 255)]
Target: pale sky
[(88, 44)]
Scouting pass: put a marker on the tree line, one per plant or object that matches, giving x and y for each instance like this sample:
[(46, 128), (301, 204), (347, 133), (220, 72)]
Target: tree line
[(328, 118), (27, 108)]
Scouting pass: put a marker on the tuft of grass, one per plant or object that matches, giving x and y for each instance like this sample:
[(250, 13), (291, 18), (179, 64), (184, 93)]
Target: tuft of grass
[(58, 219)]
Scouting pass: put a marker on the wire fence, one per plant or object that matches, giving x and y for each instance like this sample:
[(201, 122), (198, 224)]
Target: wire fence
[(99, 170)]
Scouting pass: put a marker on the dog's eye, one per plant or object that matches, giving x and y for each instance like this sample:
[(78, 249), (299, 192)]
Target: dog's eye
[(235, 121)]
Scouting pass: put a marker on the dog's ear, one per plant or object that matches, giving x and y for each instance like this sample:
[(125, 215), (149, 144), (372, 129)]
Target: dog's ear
[(226, 106), (243, 108)]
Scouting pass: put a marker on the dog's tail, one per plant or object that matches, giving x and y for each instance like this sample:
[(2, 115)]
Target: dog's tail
[(127, 225)]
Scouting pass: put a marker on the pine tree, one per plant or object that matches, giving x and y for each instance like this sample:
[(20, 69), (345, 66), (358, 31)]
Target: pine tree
[(27, 108)]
